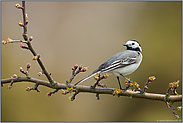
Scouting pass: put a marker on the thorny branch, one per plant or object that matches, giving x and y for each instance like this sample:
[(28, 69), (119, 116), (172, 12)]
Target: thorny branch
[(69, 88)]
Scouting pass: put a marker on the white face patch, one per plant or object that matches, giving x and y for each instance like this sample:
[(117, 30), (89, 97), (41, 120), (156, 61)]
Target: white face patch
[(133, 44)]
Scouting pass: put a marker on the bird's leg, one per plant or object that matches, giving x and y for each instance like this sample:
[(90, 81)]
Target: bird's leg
[(127, 80), (125, 77), (119, 83)]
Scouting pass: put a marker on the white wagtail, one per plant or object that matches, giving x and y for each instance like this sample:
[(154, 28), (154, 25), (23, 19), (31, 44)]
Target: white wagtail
[(122, 63)]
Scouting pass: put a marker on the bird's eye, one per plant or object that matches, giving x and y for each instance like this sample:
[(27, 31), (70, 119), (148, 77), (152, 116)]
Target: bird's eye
[(133, 43)]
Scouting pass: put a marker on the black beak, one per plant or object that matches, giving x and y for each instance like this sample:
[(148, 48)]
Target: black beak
[(124, 44)]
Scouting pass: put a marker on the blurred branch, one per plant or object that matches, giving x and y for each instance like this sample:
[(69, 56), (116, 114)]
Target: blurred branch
[(88, 89)]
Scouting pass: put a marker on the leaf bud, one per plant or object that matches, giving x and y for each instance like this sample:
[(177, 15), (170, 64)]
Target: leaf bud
[(84, 69), (70, 89), (179, 107), (76, 66), (20, 24), (35, 57), (18, 6), (28, 65), (48, 94), (14, 76), (28, 88), (21, 70), (80, 67), (4, 42), (40, 73), (64, 92), (151, 78), (26, 16), (105, 76), (9, 86), (30, 38), (72, 98), (96, 78), (176, 115)]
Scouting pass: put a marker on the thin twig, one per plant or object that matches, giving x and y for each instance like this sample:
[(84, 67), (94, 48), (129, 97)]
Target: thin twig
[(16, 41), (167, 94), (74, 95), (75, 70), (52, 92), (24, 21), (97, 95), (98, 78), (173, 110), (31, 48), (96, 83), (36, 87)]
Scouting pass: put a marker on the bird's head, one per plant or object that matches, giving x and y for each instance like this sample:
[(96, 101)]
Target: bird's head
[(133, 45)]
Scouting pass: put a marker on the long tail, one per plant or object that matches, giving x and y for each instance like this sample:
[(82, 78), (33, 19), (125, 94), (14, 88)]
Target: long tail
[(87, 77)]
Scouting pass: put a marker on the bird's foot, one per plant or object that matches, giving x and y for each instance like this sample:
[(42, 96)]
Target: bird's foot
[(123, 89)]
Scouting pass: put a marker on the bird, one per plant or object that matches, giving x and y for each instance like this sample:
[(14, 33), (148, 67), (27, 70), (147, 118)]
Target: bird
[(121, 64)]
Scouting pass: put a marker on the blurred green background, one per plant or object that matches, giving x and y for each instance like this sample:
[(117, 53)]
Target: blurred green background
[(88, 33)]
